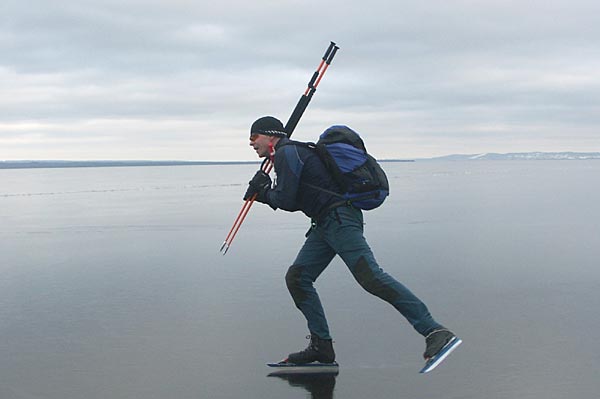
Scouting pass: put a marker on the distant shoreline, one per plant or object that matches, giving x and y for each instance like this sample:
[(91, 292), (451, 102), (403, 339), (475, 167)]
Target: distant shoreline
[(110, 164), (521, 156), (121, 164)]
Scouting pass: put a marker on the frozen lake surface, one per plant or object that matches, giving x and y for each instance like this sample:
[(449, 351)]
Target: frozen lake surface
[(112, 285)]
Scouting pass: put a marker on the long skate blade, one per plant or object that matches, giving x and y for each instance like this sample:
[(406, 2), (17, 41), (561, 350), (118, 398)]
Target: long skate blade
[(435, 361), (309, 368)]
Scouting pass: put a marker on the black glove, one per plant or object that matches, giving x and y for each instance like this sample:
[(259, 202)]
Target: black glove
[(260, 184)]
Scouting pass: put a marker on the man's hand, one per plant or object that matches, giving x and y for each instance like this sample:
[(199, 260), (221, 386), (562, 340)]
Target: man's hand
[(260, 184)]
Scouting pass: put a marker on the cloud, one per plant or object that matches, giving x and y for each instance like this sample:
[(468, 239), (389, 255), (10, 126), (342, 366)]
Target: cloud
[(487, 75)]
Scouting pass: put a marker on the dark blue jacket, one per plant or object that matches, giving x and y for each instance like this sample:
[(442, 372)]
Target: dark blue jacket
[(297, 168)]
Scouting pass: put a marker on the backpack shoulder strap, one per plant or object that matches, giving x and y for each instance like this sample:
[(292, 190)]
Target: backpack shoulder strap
[(300, 144)]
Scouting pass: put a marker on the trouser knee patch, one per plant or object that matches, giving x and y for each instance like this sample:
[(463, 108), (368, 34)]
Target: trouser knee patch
[(368, 279), (293, 281)]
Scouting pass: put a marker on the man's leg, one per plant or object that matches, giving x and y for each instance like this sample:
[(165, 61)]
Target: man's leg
[(313, 258), (345, 235)]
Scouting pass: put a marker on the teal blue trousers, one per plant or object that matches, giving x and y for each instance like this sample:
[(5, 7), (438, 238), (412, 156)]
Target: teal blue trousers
[(340, 232)]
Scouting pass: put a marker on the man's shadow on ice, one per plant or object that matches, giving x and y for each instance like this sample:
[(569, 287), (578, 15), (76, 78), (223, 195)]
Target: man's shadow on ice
[(320, 386)]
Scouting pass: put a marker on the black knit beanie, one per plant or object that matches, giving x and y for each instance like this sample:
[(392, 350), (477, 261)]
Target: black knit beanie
[(268, 126)]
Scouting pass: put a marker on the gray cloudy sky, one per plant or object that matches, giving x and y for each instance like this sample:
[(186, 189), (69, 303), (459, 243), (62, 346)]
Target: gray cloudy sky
[(175, 79)]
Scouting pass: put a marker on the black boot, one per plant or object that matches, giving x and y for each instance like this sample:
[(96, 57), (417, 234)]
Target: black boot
[(318, 350), (436, 341)]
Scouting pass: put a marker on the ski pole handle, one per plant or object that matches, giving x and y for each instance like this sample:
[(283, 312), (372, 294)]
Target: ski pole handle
[(311, 88)]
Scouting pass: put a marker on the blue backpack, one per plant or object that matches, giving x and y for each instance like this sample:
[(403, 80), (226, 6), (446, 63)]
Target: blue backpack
[(361, 180)]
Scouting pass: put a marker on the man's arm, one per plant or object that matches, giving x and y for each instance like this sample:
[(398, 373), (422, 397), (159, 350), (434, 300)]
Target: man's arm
[(288, 167)]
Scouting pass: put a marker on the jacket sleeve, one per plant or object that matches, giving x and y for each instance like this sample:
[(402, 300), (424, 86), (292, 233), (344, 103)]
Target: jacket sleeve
[(288, 168)]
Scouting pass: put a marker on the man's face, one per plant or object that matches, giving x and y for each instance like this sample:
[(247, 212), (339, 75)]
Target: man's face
[(260, 143)]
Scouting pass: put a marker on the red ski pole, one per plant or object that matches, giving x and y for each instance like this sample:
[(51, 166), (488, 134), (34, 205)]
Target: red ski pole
[(243, 212), (267, 165)]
